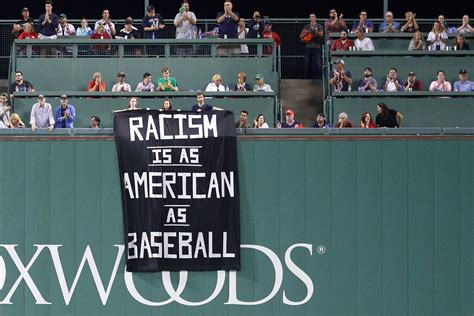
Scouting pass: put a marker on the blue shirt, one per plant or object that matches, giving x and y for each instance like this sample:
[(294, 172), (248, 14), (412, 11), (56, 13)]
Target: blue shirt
[(69, 122), (206, 107), (464, 86), (228, 26), (367, 23), (384, 26), (149, 21), (48, 29)]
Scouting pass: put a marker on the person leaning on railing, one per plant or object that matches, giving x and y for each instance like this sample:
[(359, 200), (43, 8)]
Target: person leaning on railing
[(460, 43), (388, 117)]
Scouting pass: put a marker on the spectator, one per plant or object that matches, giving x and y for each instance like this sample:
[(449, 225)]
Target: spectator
[(96, 84), (342, 43), (244, 120), (388, 117), (185, 22), (64, 28), (106, 22), (228, 28), (366, 121), (413, 84), (228, 21), (440, 84), (48, 22), (167, 105), (417, 42), (343, 121), (167, 83), (201, 106), (465, 26), (21, 85), (101, 34), (216, 84), (121, 85), (152, 23), (460, 43), (146, 85), (341, 78), (362, 42), (29, 32), (19, 26), (242, 84), (367, 83), (129, 31), (438, 37), (321, 121), (84, 29), (391, 83), (367, 26), (243, 31), (290, 120), (16, 122), (259, 122), (389, 25), (312, 35), (463, 84), (5, 120), (411, 25), (260, 85), (335, 24), (268, 33), (41, 115), (95, 122), (132, 104), (443, 23), (65, 113), (256, 26)]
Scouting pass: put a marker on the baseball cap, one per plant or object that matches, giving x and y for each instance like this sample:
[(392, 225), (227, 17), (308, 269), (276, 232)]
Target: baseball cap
[(24, 9), (121, 74), (268, 22), (150, 8), (41, 96), (411, 73), (63, 96), (62, 15), (258, 77), (463, 71), (289, 112), (340, 61)]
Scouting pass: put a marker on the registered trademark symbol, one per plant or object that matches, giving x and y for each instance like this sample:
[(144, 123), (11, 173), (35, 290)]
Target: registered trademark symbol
[(321, 249)]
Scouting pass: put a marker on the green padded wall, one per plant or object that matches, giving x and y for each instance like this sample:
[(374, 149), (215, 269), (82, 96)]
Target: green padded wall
[(394, 217), (417, 111), (193, 73), (103, 107)]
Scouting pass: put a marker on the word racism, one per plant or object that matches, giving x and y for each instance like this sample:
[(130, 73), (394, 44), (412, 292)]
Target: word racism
[(180, 190)]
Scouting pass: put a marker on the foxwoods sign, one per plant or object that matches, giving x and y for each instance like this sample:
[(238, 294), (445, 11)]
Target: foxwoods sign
[(8, 253)]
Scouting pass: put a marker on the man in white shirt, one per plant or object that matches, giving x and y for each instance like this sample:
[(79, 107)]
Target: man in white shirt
[(121, 85), (362, 42), (109, 26), (42, 115), (260, 85)]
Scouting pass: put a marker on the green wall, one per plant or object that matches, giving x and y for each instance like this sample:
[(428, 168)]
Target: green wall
[(394, 215)]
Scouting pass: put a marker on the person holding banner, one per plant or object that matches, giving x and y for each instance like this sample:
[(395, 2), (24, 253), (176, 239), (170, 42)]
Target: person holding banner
[(202, 106)]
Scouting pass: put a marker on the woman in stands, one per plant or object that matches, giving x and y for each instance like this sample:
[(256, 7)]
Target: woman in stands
[(460, 43), (28, 33), (216, 84), (16, 121), (260, 122), (388, 117), (167, 105), (366, 121), (417, 42), (242, 84), (132, 104)]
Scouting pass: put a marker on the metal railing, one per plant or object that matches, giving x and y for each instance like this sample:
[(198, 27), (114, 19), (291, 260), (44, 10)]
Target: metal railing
[(292, 49)]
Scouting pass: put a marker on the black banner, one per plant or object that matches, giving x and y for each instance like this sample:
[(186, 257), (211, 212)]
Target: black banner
[(180, 190)]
